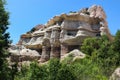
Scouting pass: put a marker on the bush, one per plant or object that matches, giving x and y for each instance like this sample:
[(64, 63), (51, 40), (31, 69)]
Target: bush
[(54, 66), (103, 53), (65, 73), (86, 69), (33, 72)]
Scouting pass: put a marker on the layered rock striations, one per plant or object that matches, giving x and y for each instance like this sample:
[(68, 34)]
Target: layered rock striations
[(65, 33)]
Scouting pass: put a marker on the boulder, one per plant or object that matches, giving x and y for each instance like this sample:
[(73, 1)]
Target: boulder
[(115, 75), (75, 54), (24, 55)]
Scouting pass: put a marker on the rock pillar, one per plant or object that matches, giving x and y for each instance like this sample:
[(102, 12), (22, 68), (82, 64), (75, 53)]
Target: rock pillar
[(55, 51), (64, 49), (55, 43), (45, 50)]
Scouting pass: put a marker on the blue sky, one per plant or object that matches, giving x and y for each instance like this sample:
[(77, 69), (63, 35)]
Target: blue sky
[(25, 14)]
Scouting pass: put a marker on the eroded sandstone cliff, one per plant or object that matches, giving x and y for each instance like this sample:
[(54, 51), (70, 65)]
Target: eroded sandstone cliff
[(61, 34)]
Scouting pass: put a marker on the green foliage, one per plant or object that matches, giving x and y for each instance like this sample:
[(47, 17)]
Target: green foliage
[(103, 52), (92, 44), (32, 30), (54, 66), (5, 71), (72, 12), (3, 27), (65, 73), (68, 59), (82, 69), (89, 45), (116, 44), (38, 72), (33, 72), (23, 74), (86, 69)]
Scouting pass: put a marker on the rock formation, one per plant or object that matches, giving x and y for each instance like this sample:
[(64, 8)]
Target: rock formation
[(115, 75), (74, 54), (64, 33)]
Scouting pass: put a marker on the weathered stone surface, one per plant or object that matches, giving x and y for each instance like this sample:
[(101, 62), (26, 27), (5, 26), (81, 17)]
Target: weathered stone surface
[(24, 55), (55, 52), (97, 11), (116, 75), (46, 46), (75, 54), (24, 39), (64, 49), (64, 33)]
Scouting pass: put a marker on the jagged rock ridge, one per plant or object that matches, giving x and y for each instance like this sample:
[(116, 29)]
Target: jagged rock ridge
[(63, 33)]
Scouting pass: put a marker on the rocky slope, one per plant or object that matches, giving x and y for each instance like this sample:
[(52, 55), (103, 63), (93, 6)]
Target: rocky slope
[(61, 35)]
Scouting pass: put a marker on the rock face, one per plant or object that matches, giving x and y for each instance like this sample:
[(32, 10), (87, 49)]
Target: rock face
[(20, 53), (65, 33), (115, 75)]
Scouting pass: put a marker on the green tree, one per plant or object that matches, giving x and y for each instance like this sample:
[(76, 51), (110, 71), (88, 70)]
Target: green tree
[(38, 72), (4, 41), (90, 45), (66, 72), (86, 69), (54, 66), (23, 74), (103, 52), (116, 44)]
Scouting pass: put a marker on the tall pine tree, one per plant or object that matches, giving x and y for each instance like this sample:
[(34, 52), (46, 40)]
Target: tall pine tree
[(4, 42), (117, 42)]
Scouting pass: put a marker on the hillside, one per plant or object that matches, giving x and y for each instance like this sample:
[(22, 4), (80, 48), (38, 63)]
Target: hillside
[(73, 46)]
